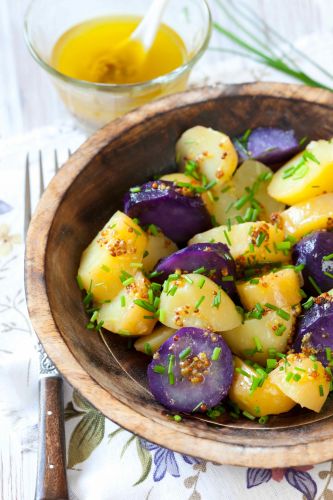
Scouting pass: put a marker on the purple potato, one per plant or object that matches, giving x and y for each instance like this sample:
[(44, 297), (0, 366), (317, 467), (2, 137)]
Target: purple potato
[(315, 330), (214, 257), (269, 145), (199, 381), (315, 251), (178, 212)]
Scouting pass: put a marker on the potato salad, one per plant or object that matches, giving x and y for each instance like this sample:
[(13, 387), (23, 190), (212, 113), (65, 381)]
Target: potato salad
[(222, 273)]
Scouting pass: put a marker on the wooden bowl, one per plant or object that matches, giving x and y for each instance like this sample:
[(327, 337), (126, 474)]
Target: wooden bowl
[(77, 203)]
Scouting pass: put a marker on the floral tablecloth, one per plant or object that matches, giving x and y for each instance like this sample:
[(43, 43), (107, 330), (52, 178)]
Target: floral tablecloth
[(104, 461)]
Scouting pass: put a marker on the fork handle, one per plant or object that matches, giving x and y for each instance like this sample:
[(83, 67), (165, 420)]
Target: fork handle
[(51, 473)]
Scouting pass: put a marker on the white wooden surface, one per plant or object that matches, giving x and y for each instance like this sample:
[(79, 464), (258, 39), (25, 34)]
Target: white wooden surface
[(27, 99)]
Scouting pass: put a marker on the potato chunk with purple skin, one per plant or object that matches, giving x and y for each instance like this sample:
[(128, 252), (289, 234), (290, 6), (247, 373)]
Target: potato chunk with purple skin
[(177, 211), (315, 252), (314, 334), (213, 259), (192, 371)]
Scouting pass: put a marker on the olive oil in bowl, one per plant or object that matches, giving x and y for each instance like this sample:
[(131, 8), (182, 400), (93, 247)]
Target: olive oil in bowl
[(85, 52)]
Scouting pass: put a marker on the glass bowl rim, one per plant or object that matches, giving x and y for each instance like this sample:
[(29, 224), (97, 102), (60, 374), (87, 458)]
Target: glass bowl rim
[(114, 87)]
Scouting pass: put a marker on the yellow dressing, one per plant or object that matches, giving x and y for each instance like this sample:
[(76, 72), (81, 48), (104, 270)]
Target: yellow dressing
[(91, 51)]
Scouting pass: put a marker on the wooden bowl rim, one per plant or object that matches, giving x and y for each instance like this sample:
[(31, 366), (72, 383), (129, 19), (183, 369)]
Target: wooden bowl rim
[(165, 433)]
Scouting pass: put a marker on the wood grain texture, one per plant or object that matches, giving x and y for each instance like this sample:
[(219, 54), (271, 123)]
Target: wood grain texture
[(87, 190), (51, 473)]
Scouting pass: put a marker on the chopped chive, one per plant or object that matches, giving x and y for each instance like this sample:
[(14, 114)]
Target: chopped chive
[(159, 369), (328, 257), (283, 245), (136, 264), (216, 353), (296, 377), (79, 282), (144, 304), (217, 299), (280, 330), (225, 189), (147, 348), (309, 303), (248, 415), (272, 352), (283, 314), (197, 406), (313, 357), (94, 317), (151, 296), (188, 279), (241, 201), (229, 224), (321, 390), (227, 278), (200, 270), (201, 282), (177, 418), (173, 290), (156, 302), (330, 275), (254, 281), (214, 221), (185, 353), (162, 315), (260, 239), (258, 344), (289, 376), (123, 301), (154, 274), (271, 363), (128, 281), (315, 285), (135, 189), (328, 352), (199, 302), (153, 229), (227, 237), (302, 293), (262, 420), (251, 247), (242, 372), (271, 306), (171, 379)]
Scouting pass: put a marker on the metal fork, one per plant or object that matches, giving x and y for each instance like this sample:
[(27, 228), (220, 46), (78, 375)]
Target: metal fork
[(51, 481)]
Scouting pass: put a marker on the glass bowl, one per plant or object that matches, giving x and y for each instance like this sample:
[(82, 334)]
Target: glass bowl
[(95, 104)]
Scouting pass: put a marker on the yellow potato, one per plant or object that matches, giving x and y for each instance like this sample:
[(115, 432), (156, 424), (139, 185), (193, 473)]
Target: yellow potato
[(118, 245), (282, 289), (125, 317), (250, 175), (180, 177), (253, 338), (265, 400), (249, 243), (308, 174), (307, 216), (149, 344), (304, 381), (213, 152), (192, 304), (158, 247)]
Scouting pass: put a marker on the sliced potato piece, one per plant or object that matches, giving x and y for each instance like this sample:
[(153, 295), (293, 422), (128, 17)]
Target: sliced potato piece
[(198, 302), (249, 243), (122, 315), (253, 338), (304, 381), (265, 400), (149, 344), (213, 152), (252, 174), (120, 243), (281, 288), (158, 247), (308, 216), (308, 174)]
